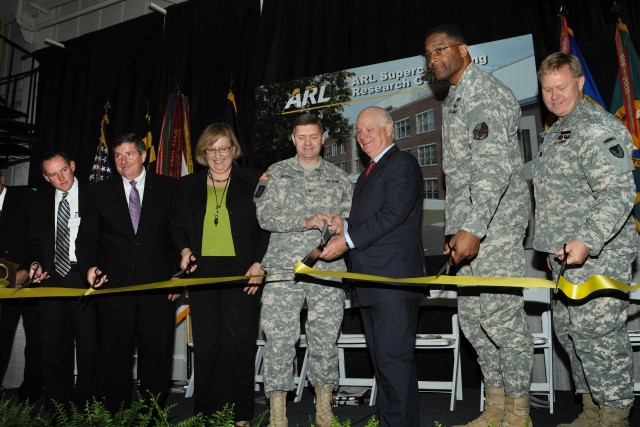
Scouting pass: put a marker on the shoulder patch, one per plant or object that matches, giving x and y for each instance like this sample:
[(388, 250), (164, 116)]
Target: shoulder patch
[(481, 131), (259, 191), (617, 151), (265, 177)]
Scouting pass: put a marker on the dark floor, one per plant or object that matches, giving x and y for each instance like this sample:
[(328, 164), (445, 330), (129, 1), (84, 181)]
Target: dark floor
[(433, 407)]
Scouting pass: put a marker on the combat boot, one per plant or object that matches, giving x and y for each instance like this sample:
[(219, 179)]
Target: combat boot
[(493, 409), (613, 417), (590, 415), (324, 399), (516, 412), (278, 406)]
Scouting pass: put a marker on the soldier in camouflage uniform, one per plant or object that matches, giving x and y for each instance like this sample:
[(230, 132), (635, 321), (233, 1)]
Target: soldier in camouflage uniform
[(584, 195), (487, 210), (293, 200)]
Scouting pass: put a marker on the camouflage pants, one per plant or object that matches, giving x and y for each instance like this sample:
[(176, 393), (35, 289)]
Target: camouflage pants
[(593, 332), (280, 321), (493, 319)]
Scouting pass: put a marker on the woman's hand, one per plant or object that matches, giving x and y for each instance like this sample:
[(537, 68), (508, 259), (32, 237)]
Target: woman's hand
[(255, 270)]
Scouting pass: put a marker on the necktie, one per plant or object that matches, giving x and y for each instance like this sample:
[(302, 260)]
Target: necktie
[(134, 205), (368, 171), (62, 262)]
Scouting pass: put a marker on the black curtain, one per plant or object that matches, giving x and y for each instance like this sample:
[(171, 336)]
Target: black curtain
[(117, 64), (206, 44), (205, 49)]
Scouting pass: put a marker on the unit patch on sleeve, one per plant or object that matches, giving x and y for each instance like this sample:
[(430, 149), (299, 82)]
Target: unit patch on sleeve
[(617, 151), (481, 131), (259, 191)]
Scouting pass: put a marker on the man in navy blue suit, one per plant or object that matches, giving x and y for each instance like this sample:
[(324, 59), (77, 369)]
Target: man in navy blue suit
[(383, 232)]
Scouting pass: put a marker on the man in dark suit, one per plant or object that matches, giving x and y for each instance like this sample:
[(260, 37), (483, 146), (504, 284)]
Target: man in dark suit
[(124, 240), (16, 219), (384, 235), (68, 325)]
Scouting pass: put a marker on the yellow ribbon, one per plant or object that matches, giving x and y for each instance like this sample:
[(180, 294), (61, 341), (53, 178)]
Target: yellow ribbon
[(38, 292), (593, 284), (3, 280), (576, 292)]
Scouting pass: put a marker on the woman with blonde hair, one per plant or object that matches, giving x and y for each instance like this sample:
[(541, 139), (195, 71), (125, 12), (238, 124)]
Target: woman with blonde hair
[(216, 219)]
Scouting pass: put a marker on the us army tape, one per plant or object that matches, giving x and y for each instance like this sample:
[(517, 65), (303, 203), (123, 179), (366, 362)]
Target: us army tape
[(576, 292)]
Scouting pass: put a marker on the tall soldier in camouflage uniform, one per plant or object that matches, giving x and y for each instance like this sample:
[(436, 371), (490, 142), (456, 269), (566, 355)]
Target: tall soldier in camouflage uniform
[(293, 200), (584, 196), (487, 210)]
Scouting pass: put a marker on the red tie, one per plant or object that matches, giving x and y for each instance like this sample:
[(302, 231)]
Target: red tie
[(368, 171)]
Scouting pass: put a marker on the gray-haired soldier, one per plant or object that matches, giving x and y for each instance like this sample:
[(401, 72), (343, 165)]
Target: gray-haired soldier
[(294, 198), (584, 194), (487, 210)]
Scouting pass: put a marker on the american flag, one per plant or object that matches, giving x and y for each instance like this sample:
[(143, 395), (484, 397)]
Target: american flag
[(101, 168)]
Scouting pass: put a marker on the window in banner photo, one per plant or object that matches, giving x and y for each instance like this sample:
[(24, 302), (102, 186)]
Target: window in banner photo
[(426, 121), (430, 188), (427, 155), (402, 128)]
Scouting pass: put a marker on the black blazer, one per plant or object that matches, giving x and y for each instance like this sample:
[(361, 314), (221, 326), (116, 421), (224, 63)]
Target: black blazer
[(16, 222), (106, 238), (385, 227), (42, 246), (250, 241)]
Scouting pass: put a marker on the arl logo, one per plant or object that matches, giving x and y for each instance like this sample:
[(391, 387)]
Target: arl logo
[(308, 98)]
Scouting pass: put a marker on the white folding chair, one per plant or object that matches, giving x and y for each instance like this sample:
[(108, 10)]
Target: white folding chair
[(350, 341), (634, 336), (299, 376), (439, 341), (542, 340)]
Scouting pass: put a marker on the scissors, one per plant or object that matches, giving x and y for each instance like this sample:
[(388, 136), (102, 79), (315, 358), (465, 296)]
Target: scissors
[(185, 271), (563, 267), (313, 256), (447, 266), (29, 281)]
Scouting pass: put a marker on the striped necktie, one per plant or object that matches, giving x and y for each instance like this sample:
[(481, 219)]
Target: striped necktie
[(62, 262)]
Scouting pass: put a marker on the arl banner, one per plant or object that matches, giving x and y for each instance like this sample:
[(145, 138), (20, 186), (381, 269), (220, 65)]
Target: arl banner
[(625, 104)]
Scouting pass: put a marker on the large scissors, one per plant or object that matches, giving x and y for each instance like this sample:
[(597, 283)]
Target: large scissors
[(447, 266), (563, 267), (313, 256)]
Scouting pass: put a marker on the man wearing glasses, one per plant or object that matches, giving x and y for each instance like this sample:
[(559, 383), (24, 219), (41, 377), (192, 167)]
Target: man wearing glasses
[(487, 210)]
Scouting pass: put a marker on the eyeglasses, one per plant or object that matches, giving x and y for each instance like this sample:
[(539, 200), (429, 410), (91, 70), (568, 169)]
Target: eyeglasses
[(221, 150), (438, 51)]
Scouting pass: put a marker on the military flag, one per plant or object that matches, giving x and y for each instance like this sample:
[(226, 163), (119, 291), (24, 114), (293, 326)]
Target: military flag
[(569, 45), (101, 168), (625, 104), (174, 149), (231, 118), (148, 142)]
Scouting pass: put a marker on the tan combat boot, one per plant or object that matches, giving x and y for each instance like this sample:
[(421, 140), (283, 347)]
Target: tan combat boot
[(613, 417), (493, 409), (516, 412), (278, 405), (324, 399), (590, 416)]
